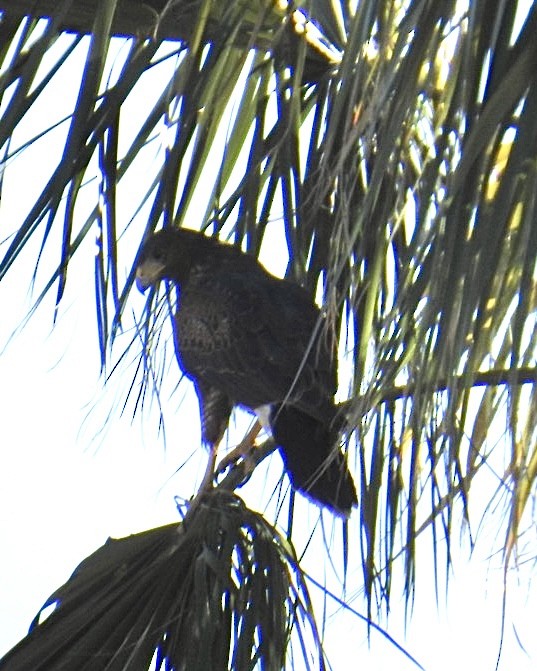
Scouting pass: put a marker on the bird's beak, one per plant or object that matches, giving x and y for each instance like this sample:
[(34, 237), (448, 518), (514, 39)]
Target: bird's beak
[(148, 274)]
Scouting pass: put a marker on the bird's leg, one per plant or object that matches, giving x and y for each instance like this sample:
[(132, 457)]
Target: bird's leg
[(207, 480), (241, 451), (215, 409)]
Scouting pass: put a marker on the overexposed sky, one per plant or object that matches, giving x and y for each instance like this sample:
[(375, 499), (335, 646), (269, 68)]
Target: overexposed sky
[(74, 470)]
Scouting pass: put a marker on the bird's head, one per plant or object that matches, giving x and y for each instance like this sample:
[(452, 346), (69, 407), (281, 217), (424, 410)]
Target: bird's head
[(164, 255)]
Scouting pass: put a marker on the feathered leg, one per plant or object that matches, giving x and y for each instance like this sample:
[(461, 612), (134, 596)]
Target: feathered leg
[(215, 409)]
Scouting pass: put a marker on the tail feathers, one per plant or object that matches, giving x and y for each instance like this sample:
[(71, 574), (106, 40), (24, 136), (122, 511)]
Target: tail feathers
[(314, 465)]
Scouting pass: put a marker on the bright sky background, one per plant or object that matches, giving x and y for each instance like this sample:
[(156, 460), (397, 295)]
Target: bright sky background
[(66, 484)]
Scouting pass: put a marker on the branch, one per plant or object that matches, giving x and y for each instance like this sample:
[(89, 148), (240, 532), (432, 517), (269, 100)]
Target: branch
[(132, 18), (178, 21), (489, 378)]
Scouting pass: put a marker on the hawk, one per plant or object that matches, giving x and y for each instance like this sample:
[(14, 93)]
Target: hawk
[(247, 338)]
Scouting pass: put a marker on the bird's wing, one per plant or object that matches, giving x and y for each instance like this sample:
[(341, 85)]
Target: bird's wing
[(251, 337)]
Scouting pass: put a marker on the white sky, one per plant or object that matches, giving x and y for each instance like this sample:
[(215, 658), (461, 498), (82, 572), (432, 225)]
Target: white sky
[(65, 486)]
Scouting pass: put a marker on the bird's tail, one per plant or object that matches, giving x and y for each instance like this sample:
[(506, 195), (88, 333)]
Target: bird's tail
[(312, 460)]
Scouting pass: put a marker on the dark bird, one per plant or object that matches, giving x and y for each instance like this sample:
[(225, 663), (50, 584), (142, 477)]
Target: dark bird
[(245, 337)]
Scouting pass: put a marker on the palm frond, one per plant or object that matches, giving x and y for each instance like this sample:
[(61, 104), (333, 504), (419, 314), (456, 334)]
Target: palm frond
[(222, 589)]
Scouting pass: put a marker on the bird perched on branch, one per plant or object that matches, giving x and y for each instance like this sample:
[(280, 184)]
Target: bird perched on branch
[(247, 338)]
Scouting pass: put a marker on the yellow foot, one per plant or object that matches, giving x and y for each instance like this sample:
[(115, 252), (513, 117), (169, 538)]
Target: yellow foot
[(208, 476), (241, 451)]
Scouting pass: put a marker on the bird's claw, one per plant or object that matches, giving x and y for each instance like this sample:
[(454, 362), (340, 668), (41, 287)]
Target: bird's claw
[(235, 458), (241, 453)]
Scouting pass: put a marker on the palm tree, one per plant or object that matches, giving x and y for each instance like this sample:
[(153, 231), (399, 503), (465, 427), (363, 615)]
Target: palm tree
[(394, 143)]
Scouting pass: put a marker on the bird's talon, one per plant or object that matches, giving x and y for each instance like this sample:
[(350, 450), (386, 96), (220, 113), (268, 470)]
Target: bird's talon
[(233, 459)]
